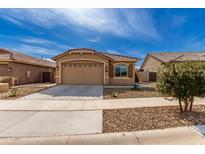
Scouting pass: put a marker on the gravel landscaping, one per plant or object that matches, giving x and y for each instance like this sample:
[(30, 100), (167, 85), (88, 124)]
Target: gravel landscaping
[(125, 120), (26, 90), (130, 93)]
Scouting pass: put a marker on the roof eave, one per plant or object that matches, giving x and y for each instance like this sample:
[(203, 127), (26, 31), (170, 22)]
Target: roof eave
[(67, 52), (127, 60)]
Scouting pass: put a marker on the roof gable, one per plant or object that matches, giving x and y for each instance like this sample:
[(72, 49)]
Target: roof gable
[(179, 56), (165, 57), (81, 51), (112, 57)]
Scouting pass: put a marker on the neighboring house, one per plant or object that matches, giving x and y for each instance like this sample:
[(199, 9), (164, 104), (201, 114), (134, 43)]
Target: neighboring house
[(87, 66), (23, 69), (153, 62)]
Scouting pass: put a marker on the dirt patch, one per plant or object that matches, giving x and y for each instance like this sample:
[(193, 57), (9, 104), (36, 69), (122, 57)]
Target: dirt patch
[(25, 90), (130, 93), (124, 120)]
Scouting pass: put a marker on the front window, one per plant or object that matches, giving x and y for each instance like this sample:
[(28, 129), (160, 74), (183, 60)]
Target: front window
[(121, 70)]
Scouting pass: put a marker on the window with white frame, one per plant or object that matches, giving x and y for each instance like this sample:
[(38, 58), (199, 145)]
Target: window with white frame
[(121, 70)]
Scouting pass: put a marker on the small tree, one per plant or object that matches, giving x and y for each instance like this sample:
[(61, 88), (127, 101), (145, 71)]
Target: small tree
[(182, 81)]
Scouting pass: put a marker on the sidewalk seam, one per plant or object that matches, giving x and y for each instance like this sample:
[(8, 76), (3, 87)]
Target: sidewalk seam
[(68, 140), (137, 138)]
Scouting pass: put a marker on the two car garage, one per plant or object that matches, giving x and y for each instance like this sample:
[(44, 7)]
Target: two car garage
[(82, 73)]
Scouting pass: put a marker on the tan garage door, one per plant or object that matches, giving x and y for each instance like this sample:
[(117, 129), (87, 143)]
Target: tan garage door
[(82, 73)]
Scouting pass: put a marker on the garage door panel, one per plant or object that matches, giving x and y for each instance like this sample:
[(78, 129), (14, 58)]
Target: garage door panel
[(82, 73)]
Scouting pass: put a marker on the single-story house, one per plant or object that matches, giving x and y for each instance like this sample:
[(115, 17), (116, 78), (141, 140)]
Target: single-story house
[(17, 68), (87, 66), (153, 62)]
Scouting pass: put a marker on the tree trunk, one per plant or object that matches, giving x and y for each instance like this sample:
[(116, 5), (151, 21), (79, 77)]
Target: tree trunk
[(192, 100), (180, 105), (186, 105)]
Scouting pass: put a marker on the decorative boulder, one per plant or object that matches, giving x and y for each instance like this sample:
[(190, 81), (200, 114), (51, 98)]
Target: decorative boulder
[(4, 87)]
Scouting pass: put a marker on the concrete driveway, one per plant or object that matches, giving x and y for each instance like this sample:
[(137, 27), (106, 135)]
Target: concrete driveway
[(68, 92), (49, 123)]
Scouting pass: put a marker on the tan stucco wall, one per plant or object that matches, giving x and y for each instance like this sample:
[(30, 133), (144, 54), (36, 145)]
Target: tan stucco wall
[(83, 57), (3, 69), (19, 71), (151, 65)]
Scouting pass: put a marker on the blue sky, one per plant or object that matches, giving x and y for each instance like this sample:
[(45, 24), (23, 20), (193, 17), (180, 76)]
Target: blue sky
[(135, 32)]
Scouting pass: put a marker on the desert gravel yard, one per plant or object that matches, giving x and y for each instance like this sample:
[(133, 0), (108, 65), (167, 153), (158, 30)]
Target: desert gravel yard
[(26, 90), (130, 93), (125, 120)]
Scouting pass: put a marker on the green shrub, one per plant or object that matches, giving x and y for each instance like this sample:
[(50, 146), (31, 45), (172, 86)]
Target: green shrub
[(13, 92), (114, 94), (182, 81)]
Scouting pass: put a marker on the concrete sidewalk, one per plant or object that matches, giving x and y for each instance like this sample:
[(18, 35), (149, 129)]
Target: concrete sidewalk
[(179, 135), (49, 123), (72, 105)]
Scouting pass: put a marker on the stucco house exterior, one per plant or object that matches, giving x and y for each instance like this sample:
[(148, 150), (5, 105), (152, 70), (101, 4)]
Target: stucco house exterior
[(153, 62), (89, 67), (17, 68)]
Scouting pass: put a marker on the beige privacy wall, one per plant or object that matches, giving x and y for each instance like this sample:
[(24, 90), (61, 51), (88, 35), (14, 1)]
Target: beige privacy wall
[(143, 76)]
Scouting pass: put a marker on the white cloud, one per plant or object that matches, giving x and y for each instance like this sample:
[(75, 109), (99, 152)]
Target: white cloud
[(121, 22), (96, 39), (11, 19), (48, 59), (140, 22), (44, 42), (101, 20), (38, 17), (137, 67), (24, 48), (34, 41), (113, 52)]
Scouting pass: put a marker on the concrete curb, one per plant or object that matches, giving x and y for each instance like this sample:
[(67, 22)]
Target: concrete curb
[(178, 135)]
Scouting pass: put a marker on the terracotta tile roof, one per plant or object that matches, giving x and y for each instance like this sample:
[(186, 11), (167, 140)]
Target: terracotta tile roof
[(179, 56), (5, 57), (81, 49), (117, 57), (113, 57), (10, 55)]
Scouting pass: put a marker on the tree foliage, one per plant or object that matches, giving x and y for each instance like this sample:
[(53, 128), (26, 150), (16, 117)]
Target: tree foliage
[(182, 81)]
